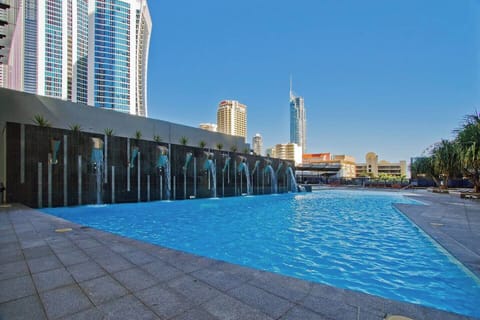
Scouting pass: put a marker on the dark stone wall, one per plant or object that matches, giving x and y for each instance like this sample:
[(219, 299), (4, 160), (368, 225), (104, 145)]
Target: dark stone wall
[(195, 180)]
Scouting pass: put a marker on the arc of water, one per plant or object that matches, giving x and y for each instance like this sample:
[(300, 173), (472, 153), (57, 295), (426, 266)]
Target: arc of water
[(244, 167), (293, 182), (210, 166), (273, 178), (225, 167), (97, 160)]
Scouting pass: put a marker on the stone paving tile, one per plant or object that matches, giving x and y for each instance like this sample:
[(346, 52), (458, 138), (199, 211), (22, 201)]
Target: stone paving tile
[(28, 308), (197, 313), (72, 257), (372, 314), (164, 301), (13, 269), (52, 279), (220, 279), (330, 308), (114, 263), (266, 302), (138, 257), (86, 271), (188, 262), (127, 308), (299, 313), (11, 256), (43, 264), (371, 302), (135, 279), (101, 290), (404, 309), (285, 287), (32, 243), (226, 307), (195, 290), (7, 238), (64, 301), (87, 243), (90, 314), (99, 252), (162, 271), (37, 252), (16, 288)]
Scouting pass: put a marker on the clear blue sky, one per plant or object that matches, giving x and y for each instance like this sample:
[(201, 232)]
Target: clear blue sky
[(391, 77)]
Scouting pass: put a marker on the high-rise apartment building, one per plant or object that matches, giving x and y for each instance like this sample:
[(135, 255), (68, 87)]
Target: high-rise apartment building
[(232, 118), (298, 121), (257, 144), (208, 126), (88, 51)]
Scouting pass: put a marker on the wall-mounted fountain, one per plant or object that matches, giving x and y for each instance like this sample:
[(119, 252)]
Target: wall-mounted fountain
[(243, 167), (293, 181), (210, 167), (226, 168), (55, 146), (273, 178), (188, 157), (255, 170), (164, 165), (97, 165)]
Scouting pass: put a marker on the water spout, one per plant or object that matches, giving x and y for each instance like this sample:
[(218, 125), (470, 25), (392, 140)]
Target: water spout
[(243, 166), (210, 167), (133, 157), (293, 182), (273, 177), (97, 162), (55, 144), (164, 164), (188, 157)]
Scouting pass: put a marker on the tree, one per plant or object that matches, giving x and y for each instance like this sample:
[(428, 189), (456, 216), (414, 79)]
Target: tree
[(75, 127), (446, 160), (157, 138), (202, 144), (108, 131), (183, 141), (468, 140), (234, 148), (138, 135), (219, 146), (424, 167), (41, 121)]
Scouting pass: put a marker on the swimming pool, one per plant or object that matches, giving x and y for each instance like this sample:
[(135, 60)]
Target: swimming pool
[(347, 239)]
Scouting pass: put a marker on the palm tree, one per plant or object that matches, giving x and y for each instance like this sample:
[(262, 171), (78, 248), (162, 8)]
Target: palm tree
[(202, 144), (424, 166), (446, 159), (41, 121), (183, 141), (234, 148), (138, 135), (75, 127), (108, 131), (219, 146), (468, 140), (157, 138)]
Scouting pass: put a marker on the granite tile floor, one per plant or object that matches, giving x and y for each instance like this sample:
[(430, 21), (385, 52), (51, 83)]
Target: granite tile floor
[(89, 274)]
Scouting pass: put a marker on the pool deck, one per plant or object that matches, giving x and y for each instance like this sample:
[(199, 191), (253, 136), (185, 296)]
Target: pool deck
[(90, 274)]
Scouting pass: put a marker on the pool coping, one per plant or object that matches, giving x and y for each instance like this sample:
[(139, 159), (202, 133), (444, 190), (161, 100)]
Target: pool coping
[(91, 274)]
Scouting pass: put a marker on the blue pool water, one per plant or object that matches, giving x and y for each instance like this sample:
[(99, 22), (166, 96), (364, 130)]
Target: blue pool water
[(347, 239)]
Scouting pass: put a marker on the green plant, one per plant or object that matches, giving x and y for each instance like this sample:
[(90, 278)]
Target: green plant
[(246, 150), (234, 148), (138, 134), (202, 144), (75, 127), (219, 146), (157, 138), (183, 141), (108, 131), (41, 121)]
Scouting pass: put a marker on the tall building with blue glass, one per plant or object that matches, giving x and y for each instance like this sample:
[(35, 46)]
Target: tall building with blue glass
[(298, 120), (89, 51)]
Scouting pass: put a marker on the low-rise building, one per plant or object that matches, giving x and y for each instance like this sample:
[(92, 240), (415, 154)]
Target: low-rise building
[(343, 165), (372, 167)]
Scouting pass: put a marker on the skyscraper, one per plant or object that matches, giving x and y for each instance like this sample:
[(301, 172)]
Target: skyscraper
[(298, 120), (232, 118), (88, 51), (257, 144)]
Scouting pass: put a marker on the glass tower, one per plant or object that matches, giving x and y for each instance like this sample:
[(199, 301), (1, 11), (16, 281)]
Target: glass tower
[(298, 121), (88, 51)]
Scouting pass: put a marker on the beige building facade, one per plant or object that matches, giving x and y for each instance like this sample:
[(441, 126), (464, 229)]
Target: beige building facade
[(373, 167), (287, 151), (232, 118), (208, 126), (345, 164)]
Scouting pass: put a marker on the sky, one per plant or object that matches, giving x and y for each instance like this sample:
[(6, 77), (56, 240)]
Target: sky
[(392, 77)]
